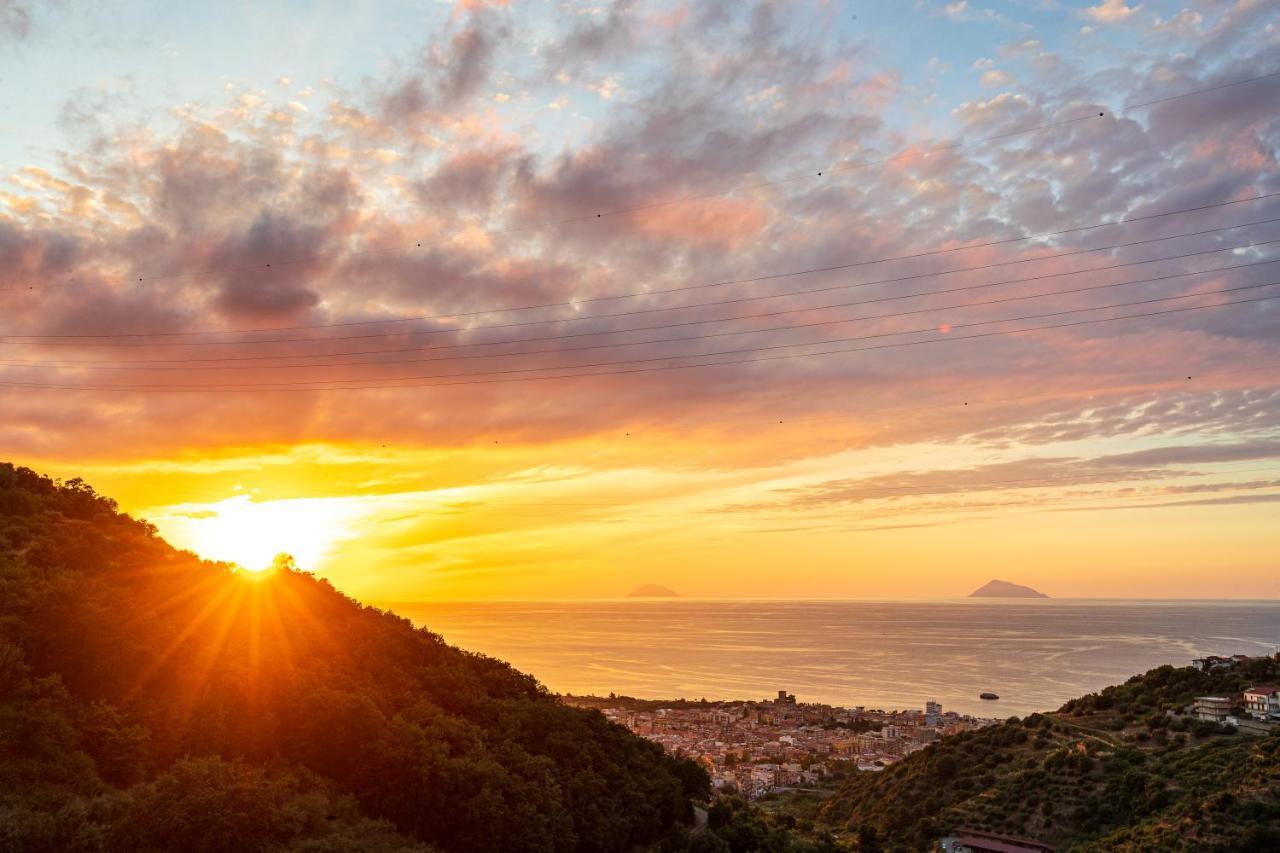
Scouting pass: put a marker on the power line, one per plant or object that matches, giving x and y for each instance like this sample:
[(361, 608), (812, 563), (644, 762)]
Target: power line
[(906, 154), (1218, 88), (306, 357), (333, 386), (168, 365), (310, 259), (960, 404), (661, 291), (114, 341), (524, 370), (446, 502)]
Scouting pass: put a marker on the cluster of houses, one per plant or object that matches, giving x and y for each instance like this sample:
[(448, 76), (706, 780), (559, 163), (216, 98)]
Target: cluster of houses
[(1217, 663), (756, 748), (1254, 710)]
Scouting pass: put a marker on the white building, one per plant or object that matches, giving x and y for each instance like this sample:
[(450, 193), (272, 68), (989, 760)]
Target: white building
[(1215, 709), (1263, 701)]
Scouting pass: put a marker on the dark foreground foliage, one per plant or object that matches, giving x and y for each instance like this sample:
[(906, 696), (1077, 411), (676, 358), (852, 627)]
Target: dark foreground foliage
[(1108, 771), (150, 700)]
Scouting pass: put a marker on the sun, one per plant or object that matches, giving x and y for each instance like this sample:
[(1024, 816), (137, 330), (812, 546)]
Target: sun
[(251, 533)]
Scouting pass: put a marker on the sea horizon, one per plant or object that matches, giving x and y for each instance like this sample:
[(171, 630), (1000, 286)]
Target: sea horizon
[(1034, 653), (387, 604)]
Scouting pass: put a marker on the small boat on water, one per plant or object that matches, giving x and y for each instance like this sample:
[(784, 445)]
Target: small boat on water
[(988, 696)]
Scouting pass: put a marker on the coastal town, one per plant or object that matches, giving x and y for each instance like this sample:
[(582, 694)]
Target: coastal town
[(755, 748), (779, 744)]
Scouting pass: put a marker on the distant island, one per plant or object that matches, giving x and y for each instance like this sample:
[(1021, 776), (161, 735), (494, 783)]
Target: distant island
[(653, 590), (1004, 589)]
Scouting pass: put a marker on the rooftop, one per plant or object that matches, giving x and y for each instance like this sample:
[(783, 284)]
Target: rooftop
[(978, 839)]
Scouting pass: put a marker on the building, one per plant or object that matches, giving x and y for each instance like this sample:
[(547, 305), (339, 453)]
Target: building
[(967, 840), (1215, 709), (761, 746), (932, 713), (1209, 663), (1212, 663), (1262, 701)]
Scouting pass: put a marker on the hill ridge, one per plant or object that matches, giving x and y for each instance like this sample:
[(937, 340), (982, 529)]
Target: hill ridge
[(153, 700), (1108, 771)]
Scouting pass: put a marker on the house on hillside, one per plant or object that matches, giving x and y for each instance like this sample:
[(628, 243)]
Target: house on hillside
[(1215, 663), (1262, 701), (1215, 709), (968, 840)]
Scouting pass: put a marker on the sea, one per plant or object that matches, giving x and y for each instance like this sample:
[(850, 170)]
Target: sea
[(1034, 654)]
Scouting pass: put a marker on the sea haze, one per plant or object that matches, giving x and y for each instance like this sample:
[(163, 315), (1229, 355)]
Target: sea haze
[(1034, 654)]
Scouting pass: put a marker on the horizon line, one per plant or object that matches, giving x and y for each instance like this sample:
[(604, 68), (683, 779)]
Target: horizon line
[(777, 599)]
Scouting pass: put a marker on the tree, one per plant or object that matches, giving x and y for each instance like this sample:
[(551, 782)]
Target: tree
[(284, 563)]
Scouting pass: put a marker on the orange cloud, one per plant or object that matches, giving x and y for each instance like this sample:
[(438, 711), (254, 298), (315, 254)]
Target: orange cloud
[(724, 222)]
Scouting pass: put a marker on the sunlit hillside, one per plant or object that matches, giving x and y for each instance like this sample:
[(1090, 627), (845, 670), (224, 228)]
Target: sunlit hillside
[(151, 700)]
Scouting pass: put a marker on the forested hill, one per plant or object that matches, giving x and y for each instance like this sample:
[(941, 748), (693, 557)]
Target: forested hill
[(1107, 771), (150, 700)]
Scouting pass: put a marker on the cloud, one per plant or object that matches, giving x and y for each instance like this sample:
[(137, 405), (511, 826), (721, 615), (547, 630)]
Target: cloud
[(468, 180), (599, 35), (1232, 500), (1030, 481), (996, 77), (1187, 23), (419, 195), (251, 293), (15, 20), (608, 88), (452, 70), (1025, 47), (1194, 454), (961, 11), (1111, 12), (464, 66)]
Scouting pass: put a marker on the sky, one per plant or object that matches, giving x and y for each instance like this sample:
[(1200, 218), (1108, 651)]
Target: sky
[(748, 299)]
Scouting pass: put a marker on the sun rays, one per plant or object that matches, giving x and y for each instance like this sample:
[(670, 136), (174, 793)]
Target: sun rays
[(251, 533)]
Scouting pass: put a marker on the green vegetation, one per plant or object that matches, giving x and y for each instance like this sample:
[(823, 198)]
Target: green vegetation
[(150, 700), (735, 826), (1108, 771)]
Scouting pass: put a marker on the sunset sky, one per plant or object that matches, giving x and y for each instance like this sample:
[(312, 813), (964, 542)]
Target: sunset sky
[(432, 296)]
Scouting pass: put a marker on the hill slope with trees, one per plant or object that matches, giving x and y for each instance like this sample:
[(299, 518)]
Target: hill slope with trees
[(1107, 771), (151, 700)]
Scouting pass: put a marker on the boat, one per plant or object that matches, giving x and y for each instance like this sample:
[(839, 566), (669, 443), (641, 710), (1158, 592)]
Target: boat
[(988, 696)]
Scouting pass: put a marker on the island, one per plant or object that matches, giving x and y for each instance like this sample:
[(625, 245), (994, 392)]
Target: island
[(1004, 589), (653, 590)]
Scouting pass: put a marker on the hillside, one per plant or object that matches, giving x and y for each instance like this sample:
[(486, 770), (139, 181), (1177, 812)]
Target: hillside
[(1107, 771), (150, 700)]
